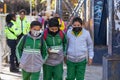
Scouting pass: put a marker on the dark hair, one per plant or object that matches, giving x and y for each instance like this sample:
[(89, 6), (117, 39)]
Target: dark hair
[(22, 10), (77, 19), (53, 22), (40, 15), (9, 17), (35, 23)]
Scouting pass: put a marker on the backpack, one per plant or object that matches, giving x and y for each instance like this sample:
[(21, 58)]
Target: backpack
[(46, 33)]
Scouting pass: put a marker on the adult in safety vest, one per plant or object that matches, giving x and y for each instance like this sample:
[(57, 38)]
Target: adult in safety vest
[(12, 32), (23, 24), (61, 22)]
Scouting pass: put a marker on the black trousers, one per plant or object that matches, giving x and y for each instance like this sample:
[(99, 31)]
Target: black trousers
[(19, 37), (13, 59)]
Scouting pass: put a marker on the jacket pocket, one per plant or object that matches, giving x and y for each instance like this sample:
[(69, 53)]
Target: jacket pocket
[(24, 60)]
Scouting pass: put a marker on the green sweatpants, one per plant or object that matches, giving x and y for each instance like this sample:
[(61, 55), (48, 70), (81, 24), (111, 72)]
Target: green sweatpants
[(53, 72), (30, 76), (76, 70)]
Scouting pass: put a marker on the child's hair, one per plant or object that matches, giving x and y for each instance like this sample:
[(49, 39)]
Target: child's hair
[(35, 23), (22, 10), (77, 19), (40, 15), (9, 17), (53, 22)]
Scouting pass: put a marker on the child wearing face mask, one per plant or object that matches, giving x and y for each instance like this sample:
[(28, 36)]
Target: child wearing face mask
[(31, 52), (56, 42), (79, 44)]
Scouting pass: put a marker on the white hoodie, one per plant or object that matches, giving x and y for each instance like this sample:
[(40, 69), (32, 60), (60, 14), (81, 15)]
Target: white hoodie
[(79, 45)]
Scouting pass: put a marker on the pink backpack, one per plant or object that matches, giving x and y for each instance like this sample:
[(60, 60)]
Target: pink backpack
[(46, 33)]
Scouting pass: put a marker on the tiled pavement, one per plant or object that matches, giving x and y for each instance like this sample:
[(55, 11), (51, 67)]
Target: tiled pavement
[(93, 72)]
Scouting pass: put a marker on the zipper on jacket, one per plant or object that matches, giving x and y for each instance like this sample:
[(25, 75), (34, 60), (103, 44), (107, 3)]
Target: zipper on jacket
[(75, 46), (54, 41), (33, 54)]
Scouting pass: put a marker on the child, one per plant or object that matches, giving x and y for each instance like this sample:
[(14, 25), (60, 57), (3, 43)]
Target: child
[(56, 42), (30, 51), (61, 22), (79, 43)]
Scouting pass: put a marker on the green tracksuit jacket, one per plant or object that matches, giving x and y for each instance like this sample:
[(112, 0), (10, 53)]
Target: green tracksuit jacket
[(32, 53)]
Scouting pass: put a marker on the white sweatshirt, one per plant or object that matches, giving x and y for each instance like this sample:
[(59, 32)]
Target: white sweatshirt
[(79, 45)]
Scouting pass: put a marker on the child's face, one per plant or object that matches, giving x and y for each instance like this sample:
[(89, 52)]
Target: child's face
[(53, 29), (77, 27), (76, 24), (35, 31)]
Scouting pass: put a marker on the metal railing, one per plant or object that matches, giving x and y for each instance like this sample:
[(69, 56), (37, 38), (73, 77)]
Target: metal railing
[(77, 8), (68, 5)]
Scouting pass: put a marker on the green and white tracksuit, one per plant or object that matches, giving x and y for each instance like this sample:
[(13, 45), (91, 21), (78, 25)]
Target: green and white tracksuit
[(53, 67), (31, 56), (79, 44)]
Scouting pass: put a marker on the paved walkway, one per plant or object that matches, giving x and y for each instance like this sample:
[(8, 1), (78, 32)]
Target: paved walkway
[(92, 73)]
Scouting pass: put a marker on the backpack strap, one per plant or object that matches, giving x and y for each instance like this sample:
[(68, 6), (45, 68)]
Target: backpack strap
[(24, 40), (45, 34), (61, 34)]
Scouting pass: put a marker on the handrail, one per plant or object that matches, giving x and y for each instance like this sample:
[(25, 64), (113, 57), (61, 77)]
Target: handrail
[(77, 8)]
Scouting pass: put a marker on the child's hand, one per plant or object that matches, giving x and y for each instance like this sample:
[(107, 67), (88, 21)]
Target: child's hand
[(49, 50), (90, 61), (65, 59), (20, 65)]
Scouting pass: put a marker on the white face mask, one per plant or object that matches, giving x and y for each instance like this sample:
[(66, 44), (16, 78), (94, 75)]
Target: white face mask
[(41, 31), (36, 33)]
